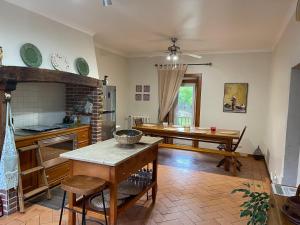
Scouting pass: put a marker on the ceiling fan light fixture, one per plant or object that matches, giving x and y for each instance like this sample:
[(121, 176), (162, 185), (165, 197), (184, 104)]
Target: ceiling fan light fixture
[(169, 57), (175, 57), (106, 3)]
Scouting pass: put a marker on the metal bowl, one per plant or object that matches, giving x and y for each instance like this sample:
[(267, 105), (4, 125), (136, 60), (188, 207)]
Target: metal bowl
[(128, 137)]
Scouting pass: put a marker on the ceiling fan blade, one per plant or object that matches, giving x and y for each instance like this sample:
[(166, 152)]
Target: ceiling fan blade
[(193, 55)]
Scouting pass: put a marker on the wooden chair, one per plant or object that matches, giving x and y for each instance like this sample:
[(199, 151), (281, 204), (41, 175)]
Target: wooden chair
[(234, 148), (138, 121), (85, 186)]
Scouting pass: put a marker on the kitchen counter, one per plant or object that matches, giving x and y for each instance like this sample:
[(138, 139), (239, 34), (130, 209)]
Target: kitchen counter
[(109, 152), (55, 173), (25, 135)]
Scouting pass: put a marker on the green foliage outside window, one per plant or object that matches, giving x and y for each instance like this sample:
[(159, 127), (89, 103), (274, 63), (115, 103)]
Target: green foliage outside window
[(185, 96)]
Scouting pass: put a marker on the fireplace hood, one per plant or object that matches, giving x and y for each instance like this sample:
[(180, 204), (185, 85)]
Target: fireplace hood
[(11, 75)]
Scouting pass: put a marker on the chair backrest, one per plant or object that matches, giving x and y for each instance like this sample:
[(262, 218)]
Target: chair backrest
[(239, 141), (138, 121)]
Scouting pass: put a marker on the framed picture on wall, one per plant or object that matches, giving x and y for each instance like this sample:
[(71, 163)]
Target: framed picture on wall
[(235, 97), (139, 88), (147, 88), (146, 97), (138, 97)]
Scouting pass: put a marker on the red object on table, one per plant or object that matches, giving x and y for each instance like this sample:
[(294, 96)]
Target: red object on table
[(213, 129)]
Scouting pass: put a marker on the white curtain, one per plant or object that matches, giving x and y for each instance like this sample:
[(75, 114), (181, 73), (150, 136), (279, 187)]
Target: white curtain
[(169, 81)]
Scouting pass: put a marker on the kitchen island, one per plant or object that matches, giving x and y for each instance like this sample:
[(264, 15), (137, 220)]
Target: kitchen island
[(114, 163)]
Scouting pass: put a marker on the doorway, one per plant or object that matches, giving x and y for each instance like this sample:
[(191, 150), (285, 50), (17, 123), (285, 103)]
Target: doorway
[(186, 108), (291, 159), (184, 112)]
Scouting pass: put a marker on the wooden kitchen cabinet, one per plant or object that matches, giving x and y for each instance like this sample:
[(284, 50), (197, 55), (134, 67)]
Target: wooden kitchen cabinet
[(57, 172)]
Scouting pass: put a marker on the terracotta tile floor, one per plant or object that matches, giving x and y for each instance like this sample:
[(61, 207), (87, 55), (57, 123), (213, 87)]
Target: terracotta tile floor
[(191, 191)]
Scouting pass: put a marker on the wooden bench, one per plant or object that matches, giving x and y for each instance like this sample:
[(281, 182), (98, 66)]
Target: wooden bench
[(233, 155), (204, 150)]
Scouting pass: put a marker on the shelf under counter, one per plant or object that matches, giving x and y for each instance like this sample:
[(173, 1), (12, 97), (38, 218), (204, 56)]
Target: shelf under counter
[(124, 206)]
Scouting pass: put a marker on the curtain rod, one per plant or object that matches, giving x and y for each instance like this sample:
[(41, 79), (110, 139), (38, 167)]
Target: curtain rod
[(193, 64)]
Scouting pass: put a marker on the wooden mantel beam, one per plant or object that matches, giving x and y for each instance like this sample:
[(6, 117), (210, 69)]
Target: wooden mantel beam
[(9, 74)]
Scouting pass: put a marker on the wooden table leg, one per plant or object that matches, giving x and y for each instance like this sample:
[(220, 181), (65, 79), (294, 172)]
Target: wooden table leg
[(71, 202), (234, 165), (72, 215), (154, 188), (195, 144), (227, 159), (113, 210), (227, 163)]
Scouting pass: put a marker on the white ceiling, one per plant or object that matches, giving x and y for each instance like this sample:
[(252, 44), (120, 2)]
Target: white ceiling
[(142, 27)]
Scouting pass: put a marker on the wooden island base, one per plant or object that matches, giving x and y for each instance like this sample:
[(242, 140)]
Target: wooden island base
[(114, 175)]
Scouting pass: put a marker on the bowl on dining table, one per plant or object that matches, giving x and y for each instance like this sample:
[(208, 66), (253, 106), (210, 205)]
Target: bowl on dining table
[(128, 136)]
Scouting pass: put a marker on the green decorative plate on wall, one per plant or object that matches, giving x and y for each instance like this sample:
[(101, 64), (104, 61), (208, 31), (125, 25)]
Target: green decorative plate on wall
[(31, 55), (82, 66)]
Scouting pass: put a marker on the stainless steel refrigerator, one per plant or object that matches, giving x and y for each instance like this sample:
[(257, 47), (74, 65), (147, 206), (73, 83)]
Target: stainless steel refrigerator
[(109, 112)]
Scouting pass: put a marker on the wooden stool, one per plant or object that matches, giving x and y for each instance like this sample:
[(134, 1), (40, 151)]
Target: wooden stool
[(82, 185)]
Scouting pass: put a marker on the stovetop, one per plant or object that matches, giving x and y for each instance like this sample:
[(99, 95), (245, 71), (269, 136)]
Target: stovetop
[(35, 129), (40, 128)]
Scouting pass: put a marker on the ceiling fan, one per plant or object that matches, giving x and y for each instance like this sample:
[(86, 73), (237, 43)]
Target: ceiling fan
[(106, 2), (174, 52)]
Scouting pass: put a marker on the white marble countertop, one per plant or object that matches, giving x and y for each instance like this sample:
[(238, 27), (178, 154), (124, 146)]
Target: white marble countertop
[(109, 152)]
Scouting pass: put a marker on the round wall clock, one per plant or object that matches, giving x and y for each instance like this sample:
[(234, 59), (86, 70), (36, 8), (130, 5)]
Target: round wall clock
[(82, 66), (60, 62), (31, 55)]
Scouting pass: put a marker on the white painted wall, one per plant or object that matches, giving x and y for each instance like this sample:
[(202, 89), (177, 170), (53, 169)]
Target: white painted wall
[(252, 68), (143, 72), (34, 104), (19, 26), (285, 56), (116, 68)]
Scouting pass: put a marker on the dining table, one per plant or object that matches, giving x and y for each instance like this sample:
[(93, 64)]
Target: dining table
[(227, 137), (113, 163)]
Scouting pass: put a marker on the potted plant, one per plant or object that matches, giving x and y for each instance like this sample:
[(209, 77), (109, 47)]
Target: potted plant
[(256, 205)]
